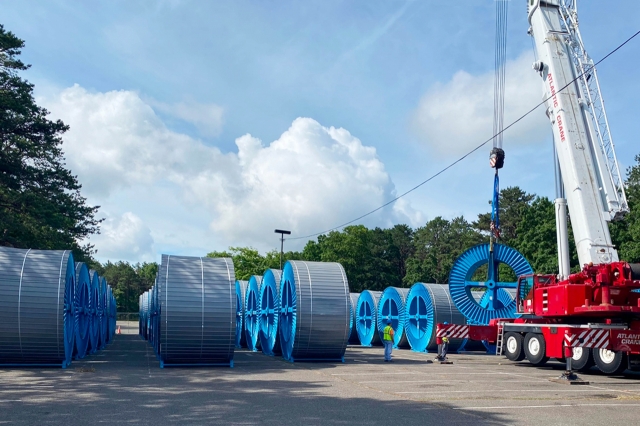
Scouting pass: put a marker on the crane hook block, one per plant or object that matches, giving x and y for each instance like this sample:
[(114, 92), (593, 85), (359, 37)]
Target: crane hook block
[(496, 158)]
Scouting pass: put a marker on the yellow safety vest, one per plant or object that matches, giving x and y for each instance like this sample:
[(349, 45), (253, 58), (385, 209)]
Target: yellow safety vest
[(387, 333), (445, 339)]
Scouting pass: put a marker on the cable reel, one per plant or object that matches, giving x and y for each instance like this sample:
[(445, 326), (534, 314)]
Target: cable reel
[(495, 304)]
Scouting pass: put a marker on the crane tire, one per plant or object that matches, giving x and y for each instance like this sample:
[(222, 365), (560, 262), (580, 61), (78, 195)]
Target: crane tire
[(535, 348), (610, 362), (582, 359), (512, 346)]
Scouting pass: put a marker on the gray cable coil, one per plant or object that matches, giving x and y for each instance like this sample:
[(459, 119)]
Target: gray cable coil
[(197, 310), (444, 310), (353, 335), (404, 342), (320, 320), (37, 327)]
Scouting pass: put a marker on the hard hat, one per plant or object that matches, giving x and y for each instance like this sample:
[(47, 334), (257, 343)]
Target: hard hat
[(388, 321), (445, 323)]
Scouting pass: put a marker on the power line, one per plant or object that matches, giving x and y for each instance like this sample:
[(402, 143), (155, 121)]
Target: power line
[(470, 152)]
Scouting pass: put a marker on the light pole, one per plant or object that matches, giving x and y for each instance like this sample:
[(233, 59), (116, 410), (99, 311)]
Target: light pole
[(282, 234)]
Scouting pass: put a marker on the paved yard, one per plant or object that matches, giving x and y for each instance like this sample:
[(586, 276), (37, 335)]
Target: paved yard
[(124, 384)]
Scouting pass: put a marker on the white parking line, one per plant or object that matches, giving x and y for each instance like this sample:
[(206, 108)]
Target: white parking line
[(514, 390), (386, 382), (433, 373), (517, 407)]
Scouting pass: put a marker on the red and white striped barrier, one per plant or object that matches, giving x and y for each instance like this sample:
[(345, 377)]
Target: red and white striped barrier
[(590, 338), (453, 331)]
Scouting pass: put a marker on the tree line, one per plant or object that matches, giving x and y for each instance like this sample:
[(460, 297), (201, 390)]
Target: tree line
[(41, 207)]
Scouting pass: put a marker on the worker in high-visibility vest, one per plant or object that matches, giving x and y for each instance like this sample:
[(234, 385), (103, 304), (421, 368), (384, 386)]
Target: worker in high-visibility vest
[(387, 339), (442, 349)]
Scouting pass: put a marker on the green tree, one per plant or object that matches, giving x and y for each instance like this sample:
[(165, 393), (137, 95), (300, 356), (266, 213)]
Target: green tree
[(437, 245), (626, 233), (248, 261), (536, 238), (402, 248), (351, 249), (128, 282), (40, 201)]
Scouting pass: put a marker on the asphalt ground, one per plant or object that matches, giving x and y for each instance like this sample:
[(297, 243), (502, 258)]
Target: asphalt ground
[(124, 385)]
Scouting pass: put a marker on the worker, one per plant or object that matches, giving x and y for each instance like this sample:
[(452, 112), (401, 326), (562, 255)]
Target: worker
[(387, 339), (443, 346), (442, 356)]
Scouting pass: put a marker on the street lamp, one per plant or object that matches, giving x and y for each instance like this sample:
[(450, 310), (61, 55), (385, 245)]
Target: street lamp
[(282, 234)]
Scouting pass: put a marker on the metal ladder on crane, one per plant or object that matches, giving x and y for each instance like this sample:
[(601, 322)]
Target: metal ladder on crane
[(499, 338)]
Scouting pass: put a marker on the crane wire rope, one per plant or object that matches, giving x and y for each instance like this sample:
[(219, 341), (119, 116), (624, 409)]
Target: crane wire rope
[(496, 157), (450, 165), (499, 72)]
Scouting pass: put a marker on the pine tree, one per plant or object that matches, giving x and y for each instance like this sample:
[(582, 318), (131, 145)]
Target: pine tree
[(40, 202)]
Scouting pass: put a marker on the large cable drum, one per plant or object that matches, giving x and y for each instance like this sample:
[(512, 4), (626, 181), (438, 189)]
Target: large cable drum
[(461, 281), (252, 313), (82, 311), (314, 311), (241, 289), (113, 312), (94, 325), (197, 311), (240, 292), (269, 304), (427, 305), (156, 315), (353, 333), (366, 318), (37, 307), (391, 307), (103, 312)]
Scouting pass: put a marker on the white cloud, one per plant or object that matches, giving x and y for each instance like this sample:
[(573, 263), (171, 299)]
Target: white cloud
[(454, 117), (310, 179), (207, 118), (124, 238)]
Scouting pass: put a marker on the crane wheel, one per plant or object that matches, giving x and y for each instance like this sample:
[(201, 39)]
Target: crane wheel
[(535, 348), (582, 359), (610, 362), (512, 346)]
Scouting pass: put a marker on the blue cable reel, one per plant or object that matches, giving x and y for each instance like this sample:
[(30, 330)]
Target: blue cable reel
[(427, 305), (94, 329), (391, 307), (353, 305), (496, 302), (104, 327), (241, 289), (252, 312), (366, 312), (69, 316), (269, 312), (288, 311), (81, 304)]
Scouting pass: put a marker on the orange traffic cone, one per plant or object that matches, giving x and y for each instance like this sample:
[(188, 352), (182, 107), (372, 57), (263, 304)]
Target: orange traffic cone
[(118, 330)]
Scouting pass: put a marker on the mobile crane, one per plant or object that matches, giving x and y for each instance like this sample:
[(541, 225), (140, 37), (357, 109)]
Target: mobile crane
[(593, 316)]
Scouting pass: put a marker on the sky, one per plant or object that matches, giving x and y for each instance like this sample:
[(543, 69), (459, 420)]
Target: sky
[(200, 125)]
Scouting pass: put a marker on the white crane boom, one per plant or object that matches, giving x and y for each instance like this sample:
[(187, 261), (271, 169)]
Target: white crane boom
[(593, 186)]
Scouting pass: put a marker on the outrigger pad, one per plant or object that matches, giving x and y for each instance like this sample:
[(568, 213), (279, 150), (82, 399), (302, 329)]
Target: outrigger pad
[(569, 378)]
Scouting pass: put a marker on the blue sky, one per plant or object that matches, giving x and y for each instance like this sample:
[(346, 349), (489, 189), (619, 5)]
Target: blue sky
[(185, 114)]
